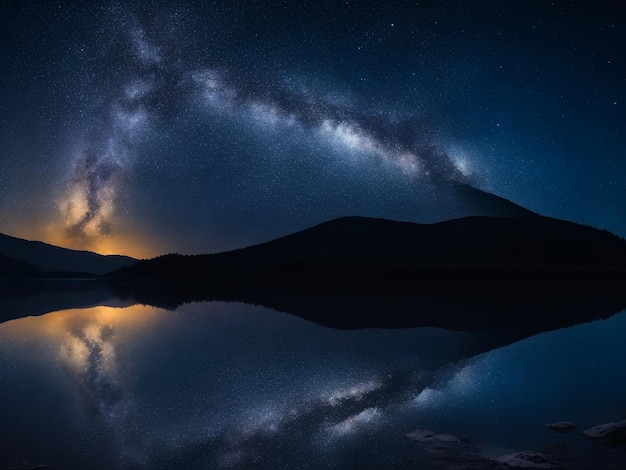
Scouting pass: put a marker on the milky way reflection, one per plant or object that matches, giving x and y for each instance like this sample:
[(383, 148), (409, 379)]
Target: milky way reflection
[(232, 386)]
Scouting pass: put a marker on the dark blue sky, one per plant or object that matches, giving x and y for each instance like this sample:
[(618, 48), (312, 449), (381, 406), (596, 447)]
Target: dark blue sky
[(147, 127)]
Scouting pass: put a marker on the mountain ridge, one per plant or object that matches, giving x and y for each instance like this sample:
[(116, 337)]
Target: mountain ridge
[(52, 258), (369, 246)]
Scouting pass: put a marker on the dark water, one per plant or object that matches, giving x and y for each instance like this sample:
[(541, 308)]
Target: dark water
[(228, 385)]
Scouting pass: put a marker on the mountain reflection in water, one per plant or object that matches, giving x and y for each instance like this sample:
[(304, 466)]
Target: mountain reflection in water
[(229, 385)]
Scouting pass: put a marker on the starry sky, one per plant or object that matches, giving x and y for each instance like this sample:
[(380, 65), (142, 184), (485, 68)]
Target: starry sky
[(150, 127)]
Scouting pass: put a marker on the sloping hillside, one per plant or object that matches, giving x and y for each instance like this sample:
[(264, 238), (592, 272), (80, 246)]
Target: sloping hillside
[(54, 258)]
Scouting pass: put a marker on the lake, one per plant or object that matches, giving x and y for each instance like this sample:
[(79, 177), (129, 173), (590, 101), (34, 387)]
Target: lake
[(230, 385)]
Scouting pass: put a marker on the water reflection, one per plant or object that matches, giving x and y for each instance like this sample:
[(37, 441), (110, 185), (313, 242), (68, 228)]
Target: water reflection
[(572, 374), (82, 355), (226, 385), (214, 383)]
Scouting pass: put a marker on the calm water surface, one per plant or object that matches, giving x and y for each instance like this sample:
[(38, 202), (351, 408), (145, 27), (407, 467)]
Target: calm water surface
[(225, 385)]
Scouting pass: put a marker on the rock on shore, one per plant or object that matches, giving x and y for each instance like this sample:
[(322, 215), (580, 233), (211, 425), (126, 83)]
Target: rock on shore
[(527, 459), (562, 427), (608, 433)]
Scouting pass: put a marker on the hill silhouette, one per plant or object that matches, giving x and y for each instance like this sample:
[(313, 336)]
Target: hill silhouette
[(366, 247), (53, 258)]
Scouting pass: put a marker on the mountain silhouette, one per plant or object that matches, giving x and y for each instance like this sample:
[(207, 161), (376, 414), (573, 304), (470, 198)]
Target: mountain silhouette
[(526, 274), (53, 258), (365, 247)]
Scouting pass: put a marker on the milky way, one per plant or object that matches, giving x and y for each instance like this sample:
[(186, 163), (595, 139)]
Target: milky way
[(403, 143), (185, 127), (97, 175), (151, 96)]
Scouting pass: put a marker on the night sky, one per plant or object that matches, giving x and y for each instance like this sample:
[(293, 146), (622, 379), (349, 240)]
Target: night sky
[(152, 127)]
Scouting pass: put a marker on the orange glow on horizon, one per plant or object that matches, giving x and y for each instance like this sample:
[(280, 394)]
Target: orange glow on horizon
[(107, 245), (134, 245), (125, 240)]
